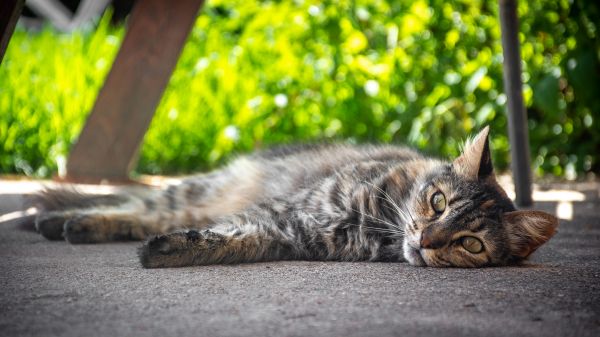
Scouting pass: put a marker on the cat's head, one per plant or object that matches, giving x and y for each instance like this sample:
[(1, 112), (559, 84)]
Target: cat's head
[(461, 217)]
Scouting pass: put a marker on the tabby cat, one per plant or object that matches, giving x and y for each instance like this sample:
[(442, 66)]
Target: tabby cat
[(325, 202)]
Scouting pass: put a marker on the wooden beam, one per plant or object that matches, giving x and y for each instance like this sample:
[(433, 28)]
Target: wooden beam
[(517, 116), (108, 145), (10, 10)]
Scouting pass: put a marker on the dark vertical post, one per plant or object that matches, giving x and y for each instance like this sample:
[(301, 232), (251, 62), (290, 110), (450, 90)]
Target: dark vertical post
[(517, 116), (10, 10), (109, 142)]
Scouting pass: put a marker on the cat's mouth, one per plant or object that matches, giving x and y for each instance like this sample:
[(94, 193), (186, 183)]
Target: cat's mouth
[(413, 256)]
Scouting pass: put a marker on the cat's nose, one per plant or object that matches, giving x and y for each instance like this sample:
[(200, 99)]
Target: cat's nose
[(429, 240), (426, 242)]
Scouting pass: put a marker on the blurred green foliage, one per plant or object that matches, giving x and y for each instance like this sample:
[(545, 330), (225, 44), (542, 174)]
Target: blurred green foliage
[(423, 73)]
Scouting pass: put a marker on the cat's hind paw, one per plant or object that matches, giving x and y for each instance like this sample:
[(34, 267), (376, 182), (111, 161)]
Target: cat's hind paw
[(85, 229), (50, 226)]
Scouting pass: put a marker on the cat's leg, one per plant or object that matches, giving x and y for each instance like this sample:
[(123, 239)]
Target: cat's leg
[(106, 226), (209, 246), (57, 205), (259, 234), (99, 225), (137, 213), (136, 216)]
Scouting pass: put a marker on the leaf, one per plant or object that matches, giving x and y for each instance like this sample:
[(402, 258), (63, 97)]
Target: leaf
[(545, 94)]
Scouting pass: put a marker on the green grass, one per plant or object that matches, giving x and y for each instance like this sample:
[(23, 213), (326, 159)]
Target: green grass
[(424, 73)]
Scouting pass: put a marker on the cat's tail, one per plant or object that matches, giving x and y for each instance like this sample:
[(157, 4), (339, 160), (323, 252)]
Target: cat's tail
[(67, 198)]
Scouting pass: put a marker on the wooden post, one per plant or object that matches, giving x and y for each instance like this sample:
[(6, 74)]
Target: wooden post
[(108, 145), (517, 116), (10, 10)]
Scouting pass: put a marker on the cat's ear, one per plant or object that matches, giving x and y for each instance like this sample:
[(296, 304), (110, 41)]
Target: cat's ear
[(528, 230), (476, 160)]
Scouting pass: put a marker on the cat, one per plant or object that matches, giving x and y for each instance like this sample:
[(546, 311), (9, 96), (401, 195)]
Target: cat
[(314, 202)]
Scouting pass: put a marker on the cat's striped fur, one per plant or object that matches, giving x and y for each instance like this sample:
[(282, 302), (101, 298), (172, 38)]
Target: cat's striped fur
[(328, 202)]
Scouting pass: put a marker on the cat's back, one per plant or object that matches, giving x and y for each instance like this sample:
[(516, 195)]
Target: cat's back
[(331, 153), (334, 154), (286, 168)]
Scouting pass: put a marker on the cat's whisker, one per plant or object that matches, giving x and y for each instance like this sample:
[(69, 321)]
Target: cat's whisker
[(381, 230), (375, 229), (384, 205), (400, 212), (377, 219), (414, 223), (405, 213), (389, 199)]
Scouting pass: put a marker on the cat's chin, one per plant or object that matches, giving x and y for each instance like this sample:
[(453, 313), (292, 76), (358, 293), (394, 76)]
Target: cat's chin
[(413, 256)]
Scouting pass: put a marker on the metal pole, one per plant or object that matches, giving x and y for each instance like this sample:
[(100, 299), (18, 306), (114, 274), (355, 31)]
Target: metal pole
[(517, 116)]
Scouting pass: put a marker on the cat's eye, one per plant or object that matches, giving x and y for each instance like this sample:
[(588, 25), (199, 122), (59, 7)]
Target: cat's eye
[(471, 244), (438, 202)]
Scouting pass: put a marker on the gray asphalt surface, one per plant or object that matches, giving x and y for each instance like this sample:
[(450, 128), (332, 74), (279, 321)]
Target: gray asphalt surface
[(57, 289)]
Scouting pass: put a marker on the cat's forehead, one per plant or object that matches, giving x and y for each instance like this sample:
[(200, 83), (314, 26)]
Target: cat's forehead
[(441, 177), (445, 178)]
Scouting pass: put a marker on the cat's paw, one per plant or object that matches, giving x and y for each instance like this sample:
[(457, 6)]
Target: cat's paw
[(51, 226), (97, 228), (179, 249), (73, 228), (83, 229)]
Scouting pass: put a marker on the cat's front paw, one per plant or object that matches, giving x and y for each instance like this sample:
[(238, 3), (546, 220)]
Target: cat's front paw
[(179, 249)]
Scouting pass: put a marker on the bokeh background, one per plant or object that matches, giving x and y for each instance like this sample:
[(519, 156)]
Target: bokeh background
[(254, 73)]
